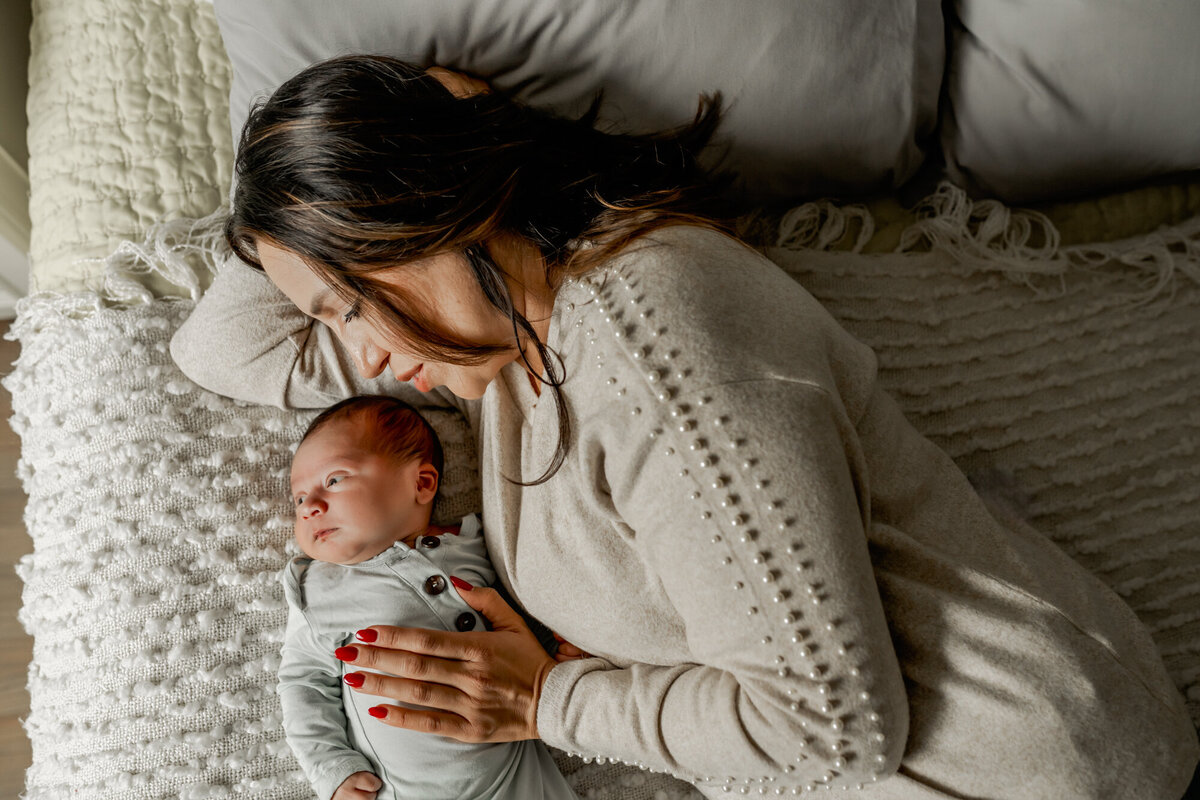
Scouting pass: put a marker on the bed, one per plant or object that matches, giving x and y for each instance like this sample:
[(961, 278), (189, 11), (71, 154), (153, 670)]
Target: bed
[(1052, 347)]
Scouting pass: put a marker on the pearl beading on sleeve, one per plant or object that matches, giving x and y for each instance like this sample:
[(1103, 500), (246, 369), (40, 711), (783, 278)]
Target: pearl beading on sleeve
[(768, 574)]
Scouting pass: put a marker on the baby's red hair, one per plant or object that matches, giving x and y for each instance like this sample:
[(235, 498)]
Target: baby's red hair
[(390, 427)]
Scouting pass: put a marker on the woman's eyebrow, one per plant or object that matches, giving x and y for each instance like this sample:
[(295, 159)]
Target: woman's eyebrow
[(317, 305)]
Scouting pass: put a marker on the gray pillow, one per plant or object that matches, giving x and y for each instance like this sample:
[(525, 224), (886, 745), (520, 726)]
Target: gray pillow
[(825, 96), (1060, 97)]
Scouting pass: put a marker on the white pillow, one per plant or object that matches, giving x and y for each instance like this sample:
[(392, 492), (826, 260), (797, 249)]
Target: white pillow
[(1063, 97), (825, 96)]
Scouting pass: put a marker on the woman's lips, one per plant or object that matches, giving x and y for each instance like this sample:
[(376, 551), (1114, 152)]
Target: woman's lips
[(417, 377), (420, 381)]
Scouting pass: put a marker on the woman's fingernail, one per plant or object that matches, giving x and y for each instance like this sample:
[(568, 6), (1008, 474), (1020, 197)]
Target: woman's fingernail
[(354, 679), (460, 583), (378, 712), (367, 635), (346, 653)]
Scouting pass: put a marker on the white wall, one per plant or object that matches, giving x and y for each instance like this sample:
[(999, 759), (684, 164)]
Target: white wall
[(14, 278), (15, 17)]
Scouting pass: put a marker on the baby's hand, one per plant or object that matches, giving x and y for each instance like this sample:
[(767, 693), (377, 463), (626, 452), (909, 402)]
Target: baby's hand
[(567, 651), (359, 786)]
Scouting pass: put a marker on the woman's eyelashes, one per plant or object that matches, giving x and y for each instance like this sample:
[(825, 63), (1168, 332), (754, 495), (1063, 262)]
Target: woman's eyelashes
[(352, 314)]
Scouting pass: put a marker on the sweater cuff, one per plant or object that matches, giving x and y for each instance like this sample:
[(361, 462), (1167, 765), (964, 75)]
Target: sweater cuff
[(329, 776), (556, 725)]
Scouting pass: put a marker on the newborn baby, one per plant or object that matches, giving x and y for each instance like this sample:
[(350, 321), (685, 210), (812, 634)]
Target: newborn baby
[(363, 484)]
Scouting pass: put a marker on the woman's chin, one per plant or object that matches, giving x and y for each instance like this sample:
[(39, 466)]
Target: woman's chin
[(468, 392), (470, 384)]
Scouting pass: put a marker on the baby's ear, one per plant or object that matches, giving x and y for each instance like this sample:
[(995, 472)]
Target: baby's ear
[(427, 483), (459, 84)]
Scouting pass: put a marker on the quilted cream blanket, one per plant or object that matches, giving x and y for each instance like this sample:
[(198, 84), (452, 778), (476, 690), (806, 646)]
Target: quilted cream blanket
[(128, 125)]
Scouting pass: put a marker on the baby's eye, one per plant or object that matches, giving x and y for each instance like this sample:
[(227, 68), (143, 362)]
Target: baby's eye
[(351, 314), (334, 479), (300, 500)]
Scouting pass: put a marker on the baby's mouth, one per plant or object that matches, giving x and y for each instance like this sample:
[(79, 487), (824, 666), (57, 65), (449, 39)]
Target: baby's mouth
[(321, 535)]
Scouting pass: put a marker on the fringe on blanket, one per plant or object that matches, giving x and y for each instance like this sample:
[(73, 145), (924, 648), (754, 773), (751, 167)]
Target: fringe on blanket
[(981, 235), (1022, 244), (180, 251)]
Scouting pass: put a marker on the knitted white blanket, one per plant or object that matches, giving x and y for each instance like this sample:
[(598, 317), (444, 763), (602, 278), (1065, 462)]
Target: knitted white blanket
[(158, 517)]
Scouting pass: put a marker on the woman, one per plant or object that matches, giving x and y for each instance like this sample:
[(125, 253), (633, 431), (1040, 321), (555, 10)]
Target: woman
[(688, 468)]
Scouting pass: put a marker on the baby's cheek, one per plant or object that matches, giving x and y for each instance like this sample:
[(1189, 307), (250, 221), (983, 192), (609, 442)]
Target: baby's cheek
[(300, 544)]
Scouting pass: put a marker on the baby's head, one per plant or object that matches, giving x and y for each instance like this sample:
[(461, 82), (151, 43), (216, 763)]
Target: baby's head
[(364, 477)]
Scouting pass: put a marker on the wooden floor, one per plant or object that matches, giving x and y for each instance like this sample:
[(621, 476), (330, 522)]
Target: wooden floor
[(16, 649)]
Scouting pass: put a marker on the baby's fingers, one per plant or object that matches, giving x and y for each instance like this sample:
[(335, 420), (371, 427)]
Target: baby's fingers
[(567, 651), (359, 786), (367, 782)]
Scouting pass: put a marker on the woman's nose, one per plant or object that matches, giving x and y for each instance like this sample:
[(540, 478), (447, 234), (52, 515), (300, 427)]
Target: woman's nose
[(369, 358)]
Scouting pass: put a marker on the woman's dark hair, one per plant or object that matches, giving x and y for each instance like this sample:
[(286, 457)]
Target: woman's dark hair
[(361, 164)]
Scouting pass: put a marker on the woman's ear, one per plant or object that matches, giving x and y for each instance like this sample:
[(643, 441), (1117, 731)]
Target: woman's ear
[(459, 84), (427, 483)]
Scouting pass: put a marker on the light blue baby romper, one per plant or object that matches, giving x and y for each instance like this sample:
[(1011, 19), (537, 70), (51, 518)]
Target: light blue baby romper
[(329, 729)]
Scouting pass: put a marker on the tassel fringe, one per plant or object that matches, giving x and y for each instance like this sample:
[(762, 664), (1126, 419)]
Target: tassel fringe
[(180, 251), (982, 235), (821, 224), (1022, 244)]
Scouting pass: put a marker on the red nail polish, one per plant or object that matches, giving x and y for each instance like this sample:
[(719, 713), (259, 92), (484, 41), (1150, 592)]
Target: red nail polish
[(367, 635), (460, 583), (354, 679), (378, 712), (346, 653)]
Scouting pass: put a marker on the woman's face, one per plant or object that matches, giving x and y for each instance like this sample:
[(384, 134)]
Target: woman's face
[(444, 282)]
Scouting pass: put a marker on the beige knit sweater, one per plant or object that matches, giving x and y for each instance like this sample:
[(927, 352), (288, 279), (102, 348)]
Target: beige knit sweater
[(787, 586)]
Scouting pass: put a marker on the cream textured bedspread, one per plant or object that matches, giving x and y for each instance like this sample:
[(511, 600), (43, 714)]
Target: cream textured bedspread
[(1066, 379), (159, 517)]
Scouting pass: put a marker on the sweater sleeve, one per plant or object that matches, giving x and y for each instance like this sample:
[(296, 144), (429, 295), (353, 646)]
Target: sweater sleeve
[(246, 340), (314, 721), (747, 502)]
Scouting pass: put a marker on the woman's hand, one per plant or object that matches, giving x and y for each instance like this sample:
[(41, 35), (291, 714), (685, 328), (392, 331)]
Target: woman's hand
[(474, 687), (359, 786)]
